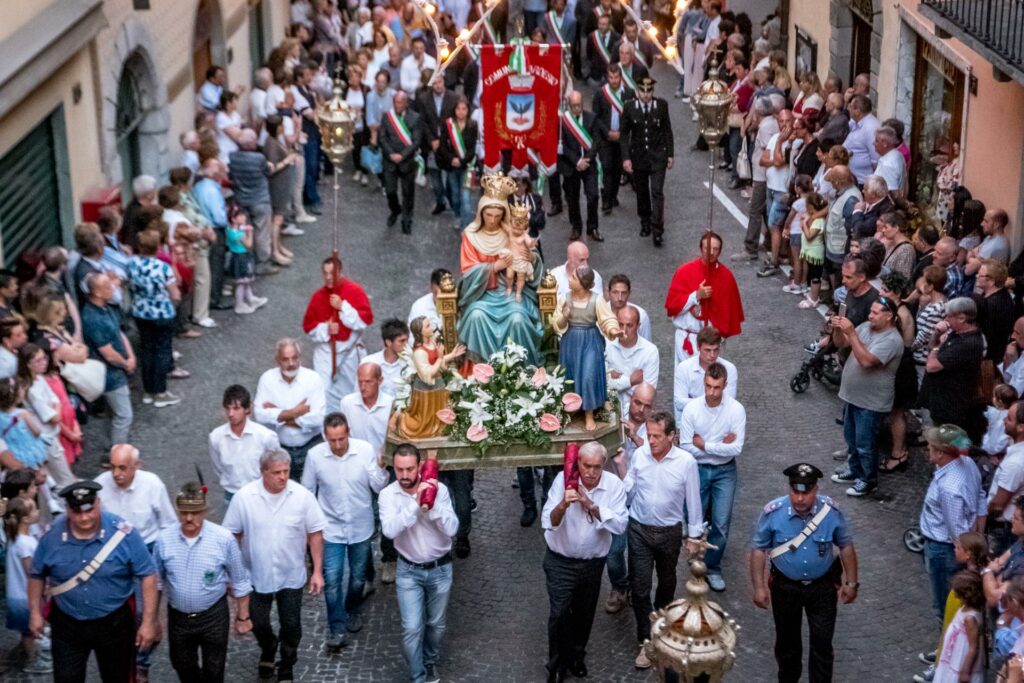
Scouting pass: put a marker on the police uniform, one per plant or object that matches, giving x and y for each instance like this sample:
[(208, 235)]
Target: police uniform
[(98, 614), (646, 140), (806, 578)]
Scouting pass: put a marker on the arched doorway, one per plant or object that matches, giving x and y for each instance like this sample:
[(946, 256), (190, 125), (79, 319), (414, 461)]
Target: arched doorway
[(856, 42), (140, 124), (129, 117), (207, 40)]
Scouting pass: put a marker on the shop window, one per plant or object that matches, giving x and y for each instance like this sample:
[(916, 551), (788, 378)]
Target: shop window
[(937, 114)]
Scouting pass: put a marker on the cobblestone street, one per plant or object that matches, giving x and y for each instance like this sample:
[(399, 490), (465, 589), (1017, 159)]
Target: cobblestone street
[(498, 611)]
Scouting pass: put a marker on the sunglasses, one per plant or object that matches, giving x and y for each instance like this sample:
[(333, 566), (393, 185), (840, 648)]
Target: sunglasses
[(889, 304)]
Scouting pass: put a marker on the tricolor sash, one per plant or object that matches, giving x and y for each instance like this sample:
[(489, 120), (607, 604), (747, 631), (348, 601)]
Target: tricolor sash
[(401, 130), (639, 55), (599, 11), (455, 135), (612, 97), (556, 26), (491, 33), (630, 83), (601, 47), (578, 131)]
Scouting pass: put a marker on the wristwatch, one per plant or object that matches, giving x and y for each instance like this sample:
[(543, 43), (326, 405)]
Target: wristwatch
[(855, 585)]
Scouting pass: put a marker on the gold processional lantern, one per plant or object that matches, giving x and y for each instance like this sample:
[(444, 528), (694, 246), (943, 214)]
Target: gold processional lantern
[(337, 125), (693, 637), (713, 102)]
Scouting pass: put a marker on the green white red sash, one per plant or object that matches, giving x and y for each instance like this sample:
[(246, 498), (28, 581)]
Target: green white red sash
[(578, 131), (455, 135), (612, 97), (401, 130), (599, 11), (556, 26), (630, 83), (601, 47), (639, 55)]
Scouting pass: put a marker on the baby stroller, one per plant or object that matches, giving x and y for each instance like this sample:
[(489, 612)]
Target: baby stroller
[(824, 364)]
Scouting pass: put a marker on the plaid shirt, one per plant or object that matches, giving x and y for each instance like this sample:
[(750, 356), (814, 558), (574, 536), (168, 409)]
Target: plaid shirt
[(955, 281), (195, 577), (954, 499)]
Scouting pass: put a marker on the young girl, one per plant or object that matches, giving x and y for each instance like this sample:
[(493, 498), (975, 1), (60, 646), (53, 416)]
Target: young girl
[(996, 440), (812, 246), (800, 188), (962, 659), (21, 545), (19, 428), (242, 264)]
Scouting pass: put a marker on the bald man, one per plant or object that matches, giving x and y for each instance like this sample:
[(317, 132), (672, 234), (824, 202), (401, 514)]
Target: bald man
[(401, 133), (631, 359), (576, 254), (368, 408), (582, 136), (138, 496)]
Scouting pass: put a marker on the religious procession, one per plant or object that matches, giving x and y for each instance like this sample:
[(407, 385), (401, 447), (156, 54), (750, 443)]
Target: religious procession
[(434, 446)]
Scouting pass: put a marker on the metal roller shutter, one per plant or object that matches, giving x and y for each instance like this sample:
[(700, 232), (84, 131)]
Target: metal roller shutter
[(30, 202)]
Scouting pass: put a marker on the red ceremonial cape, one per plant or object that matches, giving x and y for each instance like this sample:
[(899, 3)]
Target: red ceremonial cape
[(320, 309), (723, 310)]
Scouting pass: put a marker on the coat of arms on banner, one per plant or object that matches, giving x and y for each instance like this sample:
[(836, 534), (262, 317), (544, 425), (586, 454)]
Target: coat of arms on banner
[(520, 104)]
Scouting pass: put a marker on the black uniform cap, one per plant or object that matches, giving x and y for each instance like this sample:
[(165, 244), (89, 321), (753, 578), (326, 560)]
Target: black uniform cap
[(646, 83), (81, 495), (803, 476)]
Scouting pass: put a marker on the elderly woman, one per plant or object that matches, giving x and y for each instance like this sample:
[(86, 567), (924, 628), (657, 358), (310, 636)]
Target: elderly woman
[(900, 255), (995, 308)]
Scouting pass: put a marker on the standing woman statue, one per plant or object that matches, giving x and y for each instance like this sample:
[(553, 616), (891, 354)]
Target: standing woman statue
[(429, 393)]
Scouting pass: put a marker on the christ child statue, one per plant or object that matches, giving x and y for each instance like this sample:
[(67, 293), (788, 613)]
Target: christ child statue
[(521, 247)]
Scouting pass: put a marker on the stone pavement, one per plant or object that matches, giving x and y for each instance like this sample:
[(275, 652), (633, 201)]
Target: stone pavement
[(498, 611)]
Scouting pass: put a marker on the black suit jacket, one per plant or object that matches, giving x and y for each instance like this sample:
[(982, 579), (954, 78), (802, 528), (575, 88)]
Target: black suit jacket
[(647, 139), (446, 150), (862, 224), (572, 150), (637, 70), (598, 67), (390, 143), (432, 123), (603, 109)]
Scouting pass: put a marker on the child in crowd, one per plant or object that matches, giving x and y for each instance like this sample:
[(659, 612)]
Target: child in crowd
[(996, 441), (800, 188), (21, 514), (812, 246), (242, 263), (962, 658)]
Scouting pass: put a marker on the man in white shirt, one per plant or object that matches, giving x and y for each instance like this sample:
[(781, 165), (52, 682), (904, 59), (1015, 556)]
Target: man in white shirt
[(344, 473), (860, 142), (13, 335), (662, 481), (1012, 367), (891, 165), (275, 520), (369, 408), (576, 255), (423, 539), (689, 374), (578, 526), (619, 289), (426, 305), (290, 401), (237, 445), (630, 359), (395, 335), (136, 495), (713, 431), (258, 110), (414, 65), (1007, 482), (775, 160)]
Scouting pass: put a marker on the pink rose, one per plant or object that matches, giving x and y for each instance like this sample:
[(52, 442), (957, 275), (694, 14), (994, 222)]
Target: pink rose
[(549, 423), (446, 415), (540, 378), (482, 373), (572, 402), (476, 433)]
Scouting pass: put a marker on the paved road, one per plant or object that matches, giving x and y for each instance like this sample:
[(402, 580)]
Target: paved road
[(498, 611)]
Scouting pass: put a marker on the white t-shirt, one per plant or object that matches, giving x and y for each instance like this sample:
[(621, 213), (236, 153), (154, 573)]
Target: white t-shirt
[(777, 177), (275, 96), (45, 405), (225, 143), (1009, 476), (17, 580), (800, 206)]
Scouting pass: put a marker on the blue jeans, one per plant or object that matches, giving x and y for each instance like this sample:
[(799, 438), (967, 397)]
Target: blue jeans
[(776, 208), (860, 429), (618, 573), (459, 196), (437, 178), (311, 153), (338, 609), (717, 490), (940, 563), (423, 601)]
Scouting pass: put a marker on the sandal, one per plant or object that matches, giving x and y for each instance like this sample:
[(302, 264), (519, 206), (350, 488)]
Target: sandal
[(901, 464), (809, 303)]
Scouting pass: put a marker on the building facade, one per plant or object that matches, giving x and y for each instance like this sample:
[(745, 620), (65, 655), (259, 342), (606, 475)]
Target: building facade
[(95, 92)]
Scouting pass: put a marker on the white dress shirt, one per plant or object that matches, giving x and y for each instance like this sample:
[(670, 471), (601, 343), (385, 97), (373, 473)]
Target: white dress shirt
[(658, 491), (689, 383), (578, 536), (273, 388), (427, 307), (236, 459), (342, 485), (645, 321), (419, 536), (145, 504), (392, 371), (411, 71), (643, 355), (860, 143), (892, 166), (562, 278), (368, 424), (274, 529), (8, 363), (1013, 374), (1009, 476), (713, 425)]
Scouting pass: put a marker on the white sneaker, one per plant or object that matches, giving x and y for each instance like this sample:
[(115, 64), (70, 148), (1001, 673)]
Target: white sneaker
[(292, 231), (165, 399), (147, 399), (176, 355), (258, 302), (355, 177), (808, 303), (792, 289), (244, 309), (207, 322), (304, 218)]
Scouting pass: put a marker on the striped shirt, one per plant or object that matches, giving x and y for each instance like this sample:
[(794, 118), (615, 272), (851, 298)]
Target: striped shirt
[(927, 318), (953, 501), (196, 575)]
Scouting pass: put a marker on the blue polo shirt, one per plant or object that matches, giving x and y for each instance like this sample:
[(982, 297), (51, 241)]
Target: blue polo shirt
[(780, 523), (102, 326), (60, 556)]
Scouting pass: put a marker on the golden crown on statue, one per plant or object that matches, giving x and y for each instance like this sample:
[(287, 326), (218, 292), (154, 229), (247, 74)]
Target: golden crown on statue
[(497, 186), (520, 211)]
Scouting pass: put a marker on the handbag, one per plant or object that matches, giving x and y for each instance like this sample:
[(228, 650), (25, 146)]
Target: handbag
[(371, 159), (743, 170), (87, 378), (986, 381)]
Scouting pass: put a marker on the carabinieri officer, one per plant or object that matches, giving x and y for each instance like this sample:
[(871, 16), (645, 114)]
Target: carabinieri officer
[(799, 533), (88, 563)]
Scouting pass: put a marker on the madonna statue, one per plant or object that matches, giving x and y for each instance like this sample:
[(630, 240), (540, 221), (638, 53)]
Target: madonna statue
[(488, 317)]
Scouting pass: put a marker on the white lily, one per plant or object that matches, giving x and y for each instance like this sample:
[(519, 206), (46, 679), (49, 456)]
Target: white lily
[(531, 408)]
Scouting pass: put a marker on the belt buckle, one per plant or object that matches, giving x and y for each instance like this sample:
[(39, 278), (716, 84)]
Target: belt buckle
[(806, 583)]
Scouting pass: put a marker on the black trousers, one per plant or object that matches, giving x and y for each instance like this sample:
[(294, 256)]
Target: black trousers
[(527, 484), (218, 253), (573, 588), (111, 637), (571, 183), (555, 189), (289, 614), (611, 161), (650, 198), (652, 548), (155, 353), (393, 179), (206, 631), (790, 599), (460, 485)]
